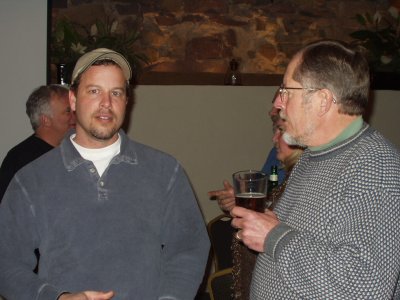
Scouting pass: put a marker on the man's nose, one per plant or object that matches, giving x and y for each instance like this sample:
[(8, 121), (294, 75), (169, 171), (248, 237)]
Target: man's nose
[(106, 100), (278, 104)]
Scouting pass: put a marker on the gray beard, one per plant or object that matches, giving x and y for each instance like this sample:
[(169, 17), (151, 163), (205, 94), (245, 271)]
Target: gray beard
[(291, 141)]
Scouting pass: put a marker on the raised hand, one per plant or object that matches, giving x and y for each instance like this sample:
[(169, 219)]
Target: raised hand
[(225, 197)]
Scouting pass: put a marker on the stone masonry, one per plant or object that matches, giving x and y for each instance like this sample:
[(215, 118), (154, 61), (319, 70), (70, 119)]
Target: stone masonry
[(195, 36)]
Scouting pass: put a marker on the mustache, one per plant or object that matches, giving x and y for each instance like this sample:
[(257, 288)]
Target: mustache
[(282, 115), (104, 111)]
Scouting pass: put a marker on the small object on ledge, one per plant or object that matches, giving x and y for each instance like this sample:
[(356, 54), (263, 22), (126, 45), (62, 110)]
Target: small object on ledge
[(232, 76), (62, 74)]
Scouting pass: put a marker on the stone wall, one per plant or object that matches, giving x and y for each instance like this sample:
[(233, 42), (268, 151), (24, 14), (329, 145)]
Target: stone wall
[(202, 36)]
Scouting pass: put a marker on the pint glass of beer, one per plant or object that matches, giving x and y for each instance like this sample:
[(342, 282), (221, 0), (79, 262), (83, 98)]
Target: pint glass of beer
[(250, 189)]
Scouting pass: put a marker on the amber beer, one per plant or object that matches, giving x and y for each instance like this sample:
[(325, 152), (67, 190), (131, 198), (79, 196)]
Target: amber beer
[(253, 201), (250, 189)]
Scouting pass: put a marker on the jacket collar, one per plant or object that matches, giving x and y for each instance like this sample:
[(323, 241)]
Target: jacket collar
[(71, 157)]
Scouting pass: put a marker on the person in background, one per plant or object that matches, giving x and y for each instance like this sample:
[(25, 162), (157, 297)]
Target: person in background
[(225, 197), (51, 117), (272, 158), (287, 155), (335, 231), (284, 155), (243, 258), (112, 218)]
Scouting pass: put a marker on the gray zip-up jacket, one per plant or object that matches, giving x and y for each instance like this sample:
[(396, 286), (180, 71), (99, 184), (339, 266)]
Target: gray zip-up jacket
[(136, 230)]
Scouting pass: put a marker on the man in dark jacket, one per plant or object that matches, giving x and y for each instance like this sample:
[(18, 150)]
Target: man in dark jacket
[(50, 116)]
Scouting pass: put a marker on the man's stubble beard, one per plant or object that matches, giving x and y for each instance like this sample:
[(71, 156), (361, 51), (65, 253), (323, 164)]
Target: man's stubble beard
[(103, 133), (288, 138), (103, 136)]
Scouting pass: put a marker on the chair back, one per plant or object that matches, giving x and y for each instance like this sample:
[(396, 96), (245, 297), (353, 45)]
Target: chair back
[(220, 285), (221, 234)]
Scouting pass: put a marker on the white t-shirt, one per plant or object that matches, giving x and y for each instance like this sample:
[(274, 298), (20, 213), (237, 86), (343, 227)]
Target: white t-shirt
[(100, 157)]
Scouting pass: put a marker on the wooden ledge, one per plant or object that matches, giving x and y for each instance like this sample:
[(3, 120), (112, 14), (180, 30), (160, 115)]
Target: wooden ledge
[(170, 78)]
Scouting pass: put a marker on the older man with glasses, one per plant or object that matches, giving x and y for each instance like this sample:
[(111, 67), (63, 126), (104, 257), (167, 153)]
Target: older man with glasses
[(335, 233)]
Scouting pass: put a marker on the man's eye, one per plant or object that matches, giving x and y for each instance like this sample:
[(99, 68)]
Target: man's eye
[(116, 93), (93, 91)]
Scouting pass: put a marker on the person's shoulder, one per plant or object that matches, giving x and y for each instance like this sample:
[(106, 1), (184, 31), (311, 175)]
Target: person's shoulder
[(271, 161), (26, 151), (374, 146), (151, 159), (29, 145), (22, 146), (146, 152), (375, 142)]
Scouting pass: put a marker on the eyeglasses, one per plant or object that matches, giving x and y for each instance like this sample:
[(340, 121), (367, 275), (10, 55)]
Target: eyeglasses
[(284, 93)]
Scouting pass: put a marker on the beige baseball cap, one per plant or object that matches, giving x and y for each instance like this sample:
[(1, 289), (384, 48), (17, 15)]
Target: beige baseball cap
[(88, 59)]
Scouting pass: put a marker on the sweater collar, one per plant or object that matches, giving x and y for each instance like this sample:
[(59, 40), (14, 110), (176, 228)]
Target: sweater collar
[(72, 158), (349, 131)]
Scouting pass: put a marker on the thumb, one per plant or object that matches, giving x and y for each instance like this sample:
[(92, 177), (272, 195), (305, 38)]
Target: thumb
[(93, 295), (227, 185)]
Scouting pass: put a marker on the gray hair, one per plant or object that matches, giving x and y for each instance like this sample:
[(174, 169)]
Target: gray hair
[(38, 102), (338, 67)]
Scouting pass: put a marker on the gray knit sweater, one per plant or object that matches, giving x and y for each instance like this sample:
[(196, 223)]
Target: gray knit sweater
[(340, 231)]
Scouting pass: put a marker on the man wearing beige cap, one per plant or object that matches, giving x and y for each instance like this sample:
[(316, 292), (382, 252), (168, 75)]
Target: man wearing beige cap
[(112, 218)]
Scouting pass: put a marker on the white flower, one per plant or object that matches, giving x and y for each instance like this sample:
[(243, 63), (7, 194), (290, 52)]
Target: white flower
[(377, 17), (93, 30), (59, 36), (78, 48), (394, 12), (114, 26), (386, 59)]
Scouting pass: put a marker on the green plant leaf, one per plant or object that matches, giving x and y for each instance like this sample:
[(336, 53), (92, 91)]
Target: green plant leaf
[(66, 33), (361, 19)]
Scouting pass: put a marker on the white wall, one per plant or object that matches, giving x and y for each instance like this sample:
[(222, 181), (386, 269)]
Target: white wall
[(212, 130), (23, 34), (385, 114), (217, 130)]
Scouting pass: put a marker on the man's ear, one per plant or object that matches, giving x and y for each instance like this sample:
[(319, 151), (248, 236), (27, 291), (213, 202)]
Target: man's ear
[(72, 100), (45, 121), (326, 100)]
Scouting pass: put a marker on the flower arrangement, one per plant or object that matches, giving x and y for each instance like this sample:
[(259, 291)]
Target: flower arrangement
[(70, 40), (381, 38), (66, 42)]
